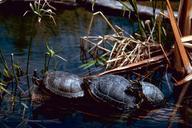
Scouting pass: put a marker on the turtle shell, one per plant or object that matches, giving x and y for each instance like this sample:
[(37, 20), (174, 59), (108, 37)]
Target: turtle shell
[(63, 84), (111, 89), (152, 93)]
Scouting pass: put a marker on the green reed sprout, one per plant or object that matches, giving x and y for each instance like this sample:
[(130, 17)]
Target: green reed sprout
[(98, 61), (51, 54)]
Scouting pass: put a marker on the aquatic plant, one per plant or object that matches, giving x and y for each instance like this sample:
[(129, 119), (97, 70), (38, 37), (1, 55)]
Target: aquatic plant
[(157, 32), (98, 61), (93, 4), (51, 54), (2, 88), (11, 75), (15, 77), (42, 9), (135, 10), (6, 73)]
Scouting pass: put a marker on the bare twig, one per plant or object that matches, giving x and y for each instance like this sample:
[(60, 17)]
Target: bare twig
[(106, 20)]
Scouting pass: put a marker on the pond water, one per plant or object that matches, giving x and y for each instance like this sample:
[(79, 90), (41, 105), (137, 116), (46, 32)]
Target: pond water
[(64, 38), (16, 33)]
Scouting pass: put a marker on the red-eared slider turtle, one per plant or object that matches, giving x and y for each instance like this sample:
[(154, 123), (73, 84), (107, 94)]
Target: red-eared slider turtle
[(148, 91), (61, 83), (111, 89)]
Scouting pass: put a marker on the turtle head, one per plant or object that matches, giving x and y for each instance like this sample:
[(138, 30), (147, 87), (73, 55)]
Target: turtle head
[(134, 89), (36, 80), (86, 82)]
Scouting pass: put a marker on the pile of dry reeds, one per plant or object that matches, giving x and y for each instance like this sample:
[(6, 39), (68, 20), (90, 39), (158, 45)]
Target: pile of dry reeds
[(121, 51)]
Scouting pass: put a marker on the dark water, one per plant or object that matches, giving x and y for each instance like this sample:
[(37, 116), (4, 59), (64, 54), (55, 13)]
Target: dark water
[(16, 33), (64, 38)]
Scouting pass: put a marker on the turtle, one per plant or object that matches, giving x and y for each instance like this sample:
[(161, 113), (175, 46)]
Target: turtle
[(60, 83), (110, 89), (148, 91)]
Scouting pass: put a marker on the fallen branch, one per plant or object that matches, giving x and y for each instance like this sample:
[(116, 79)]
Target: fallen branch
[(145, 62)]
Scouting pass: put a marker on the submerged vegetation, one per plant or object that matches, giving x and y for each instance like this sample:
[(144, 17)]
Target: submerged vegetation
[(144, 55)]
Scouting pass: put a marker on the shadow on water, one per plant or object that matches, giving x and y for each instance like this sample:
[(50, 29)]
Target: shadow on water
[(72, 23)]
